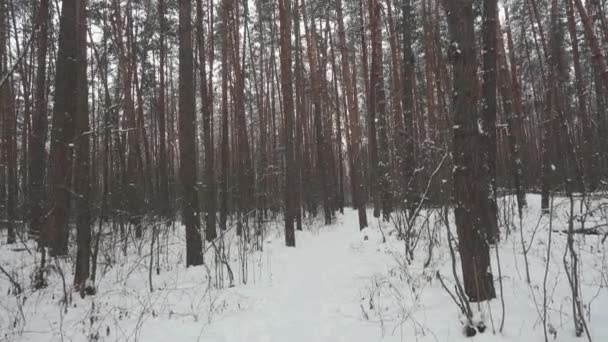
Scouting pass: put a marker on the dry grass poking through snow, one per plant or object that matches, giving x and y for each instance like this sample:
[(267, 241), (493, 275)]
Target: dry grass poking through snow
[(338, 284)]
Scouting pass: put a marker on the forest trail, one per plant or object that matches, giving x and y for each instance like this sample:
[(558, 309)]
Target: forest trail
[(314, 292)]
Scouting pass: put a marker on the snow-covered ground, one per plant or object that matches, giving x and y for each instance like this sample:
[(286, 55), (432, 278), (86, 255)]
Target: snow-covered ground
[(338, 284)]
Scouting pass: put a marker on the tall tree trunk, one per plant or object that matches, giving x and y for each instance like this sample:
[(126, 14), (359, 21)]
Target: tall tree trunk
[(516, 128), (245, 167), (339, 196), (39, 128), (288, 108), (372, 145), (513, 122), (187, 138), (488, 117), (209, 179), (398, 186), (225, 152), (470, 179), (371, 121), (408, 100), (300, 113), (163, 191), (83, 155), (8, 131), (378, 111), (62, 134)]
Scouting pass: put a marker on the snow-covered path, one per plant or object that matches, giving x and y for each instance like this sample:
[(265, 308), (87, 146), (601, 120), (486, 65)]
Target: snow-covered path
[(314, 293)]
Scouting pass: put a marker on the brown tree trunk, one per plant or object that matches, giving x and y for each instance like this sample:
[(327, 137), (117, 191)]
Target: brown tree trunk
[(399, 185), (470, 179), (209, 179), (488, 117), (245, 167), (39, 128), (372, 137), (408, 100), (378, 105), (83, 155), (62, 134), (163, 189), (516, 128), (339, 196), (187, 138), (513, 122), (288, 108), (146, 171), (8, 132), (300, 112), (225, 152)]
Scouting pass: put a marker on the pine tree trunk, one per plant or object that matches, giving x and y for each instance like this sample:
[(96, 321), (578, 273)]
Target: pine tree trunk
[(378, 111), (225, 152), (408, 100), (83, 155), (8, 131), (516, 128), (187, 138), (488, 107), (163, 191), (470, 179), (39, 128), (62, 134), (209, 180), (513, 122), (243, 154), (399, 185), (288, 109)]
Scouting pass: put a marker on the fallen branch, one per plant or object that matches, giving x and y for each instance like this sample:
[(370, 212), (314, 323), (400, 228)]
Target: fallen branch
[(17, 286), (595, 230)]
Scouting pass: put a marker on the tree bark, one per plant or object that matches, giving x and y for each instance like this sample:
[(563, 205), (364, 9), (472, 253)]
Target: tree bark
[(163, 189), (209, 180), (225, 152), (288, 108), (62, 134), (408, 80), (513, 123), (187, 138), (39, 128), (488, 117), (470, 179), (83, 155)]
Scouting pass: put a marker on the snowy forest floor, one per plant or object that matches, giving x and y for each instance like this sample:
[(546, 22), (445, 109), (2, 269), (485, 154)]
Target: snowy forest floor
[(338, 284)]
